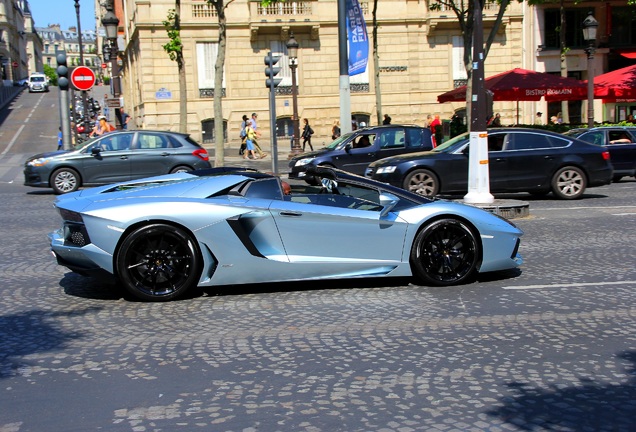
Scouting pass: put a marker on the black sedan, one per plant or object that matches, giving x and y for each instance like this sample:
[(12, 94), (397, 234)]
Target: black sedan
[(619, 140), (354, 151), (115, 157), (520, 160)]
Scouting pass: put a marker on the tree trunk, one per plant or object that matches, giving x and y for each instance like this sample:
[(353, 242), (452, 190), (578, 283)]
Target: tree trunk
[(183, 88), (565, 110), (219, 139), (376, 63)]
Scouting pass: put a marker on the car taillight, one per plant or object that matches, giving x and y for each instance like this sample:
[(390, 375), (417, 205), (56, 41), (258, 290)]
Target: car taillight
[(202, 154), (606, 155)]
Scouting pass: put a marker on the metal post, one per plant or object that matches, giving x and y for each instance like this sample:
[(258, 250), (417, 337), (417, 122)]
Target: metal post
[(115, 76), (343, 66), (272, 121), (590, 84), (81, 54), (296, 147)]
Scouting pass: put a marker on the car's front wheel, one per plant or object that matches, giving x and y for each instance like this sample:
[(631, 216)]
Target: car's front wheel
[(180, 169), (65, 180), (445, 252), (423, 182), (158, 262), (569, 183)]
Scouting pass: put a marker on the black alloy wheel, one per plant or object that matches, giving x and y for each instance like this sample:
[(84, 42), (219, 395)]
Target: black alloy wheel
[(158, 262), (423, 182), (446, 252)]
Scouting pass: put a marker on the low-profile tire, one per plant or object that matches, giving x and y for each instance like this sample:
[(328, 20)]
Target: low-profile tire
[(569, 183), (445, 252), (158, 262), (180, 169), (65, 180), (422, 182)]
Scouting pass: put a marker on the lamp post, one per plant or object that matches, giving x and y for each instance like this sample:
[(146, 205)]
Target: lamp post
[(110, 23), (589, 35), (292, 52), (81, 54)]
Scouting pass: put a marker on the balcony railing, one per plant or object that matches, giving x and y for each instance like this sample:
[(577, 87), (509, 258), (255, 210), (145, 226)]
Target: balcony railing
[(280, 8), (203, 10)]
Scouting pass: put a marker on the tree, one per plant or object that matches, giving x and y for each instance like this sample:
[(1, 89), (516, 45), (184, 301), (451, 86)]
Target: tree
[(219, 151), (51, 73), (174, 48)]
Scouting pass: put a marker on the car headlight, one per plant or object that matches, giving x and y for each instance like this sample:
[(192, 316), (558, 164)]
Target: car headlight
[(38, 162), (386, 170), (304, 161)]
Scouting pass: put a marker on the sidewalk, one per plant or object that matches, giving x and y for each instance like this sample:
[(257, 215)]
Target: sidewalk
[(232, 158)]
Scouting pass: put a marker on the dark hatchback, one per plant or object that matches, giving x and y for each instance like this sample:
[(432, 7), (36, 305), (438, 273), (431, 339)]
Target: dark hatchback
[(354, 151), (619, 140), (520, 160), (115, 157)]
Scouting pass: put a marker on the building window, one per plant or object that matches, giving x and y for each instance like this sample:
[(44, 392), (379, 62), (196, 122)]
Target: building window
[(573, 34), (623, 27), (460, 77), (207, 128), (206, 58)]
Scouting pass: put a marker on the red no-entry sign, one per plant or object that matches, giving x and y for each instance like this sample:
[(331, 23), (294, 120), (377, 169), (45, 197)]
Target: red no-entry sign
[(83, 78)]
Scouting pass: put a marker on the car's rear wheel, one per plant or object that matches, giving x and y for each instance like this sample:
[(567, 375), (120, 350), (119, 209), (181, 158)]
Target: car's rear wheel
[(180, 169), (445, 252), (569, 183), (65, 180), (158, 262), (423, 182)]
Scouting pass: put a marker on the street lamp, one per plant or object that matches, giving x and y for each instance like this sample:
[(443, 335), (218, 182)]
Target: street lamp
[(110, 23), (292, 52), (589, 35)]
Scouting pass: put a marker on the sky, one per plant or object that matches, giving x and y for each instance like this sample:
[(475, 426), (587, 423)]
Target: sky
[(45, 12)]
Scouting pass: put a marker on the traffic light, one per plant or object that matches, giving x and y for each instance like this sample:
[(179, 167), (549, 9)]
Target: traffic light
[(271, 71), (62, 71)]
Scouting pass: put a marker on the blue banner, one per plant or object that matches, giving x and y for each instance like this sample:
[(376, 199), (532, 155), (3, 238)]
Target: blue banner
[(358, 38)]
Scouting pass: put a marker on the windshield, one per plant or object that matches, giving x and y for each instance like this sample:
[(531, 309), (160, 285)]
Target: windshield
[(337, 143), (574, 132), (37, 79), (452, 144), (84, 144)]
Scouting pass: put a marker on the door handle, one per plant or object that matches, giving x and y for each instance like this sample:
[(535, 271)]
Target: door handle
[(123, 157), (291, 214)]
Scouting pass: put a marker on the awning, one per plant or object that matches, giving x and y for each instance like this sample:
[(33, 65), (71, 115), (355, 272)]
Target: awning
[(627, 53)]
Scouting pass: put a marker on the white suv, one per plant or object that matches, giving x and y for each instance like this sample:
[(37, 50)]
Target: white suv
[(38, 83)]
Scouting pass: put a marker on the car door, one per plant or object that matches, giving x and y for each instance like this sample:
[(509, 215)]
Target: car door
[(531, 158), (152, 155), (361, 152), (622, 154), (110, 162), (345, 233)]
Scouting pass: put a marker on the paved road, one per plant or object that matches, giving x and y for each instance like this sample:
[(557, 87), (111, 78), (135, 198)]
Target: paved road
[(551, 347)]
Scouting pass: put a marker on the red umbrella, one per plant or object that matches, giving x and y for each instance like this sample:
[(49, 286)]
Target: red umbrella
[(618, 84), (525, 85)]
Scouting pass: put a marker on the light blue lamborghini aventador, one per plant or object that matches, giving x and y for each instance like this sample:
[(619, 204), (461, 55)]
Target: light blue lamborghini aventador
[(161, 236)]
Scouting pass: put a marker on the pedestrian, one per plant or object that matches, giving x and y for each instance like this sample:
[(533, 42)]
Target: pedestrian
[(307, 133), (496, 121), (250, 137), (436, 129), (60, 140), (559, 118), (257, 134), (335, 130), (243, 135), (630, 118), (124, 118), (387, 120), (354, 123), (102, 127), (538, 120), (429, 120)]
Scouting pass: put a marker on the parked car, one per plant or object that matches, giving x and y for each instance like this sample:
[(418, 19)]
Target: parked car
[(520, 160), (620, 141), (115, 157), (38, 82), (355, 150), (165, 235)]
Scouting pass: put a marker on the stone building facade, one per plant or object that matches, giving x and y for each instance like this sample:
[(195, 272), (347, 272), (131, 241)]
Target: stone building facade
[(420, 51)]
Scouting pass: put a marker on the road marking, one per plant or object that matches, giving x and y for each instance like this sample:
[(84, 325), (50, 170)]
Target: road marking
[(623, 214), (569, 285), (585, 208), (15, 138)]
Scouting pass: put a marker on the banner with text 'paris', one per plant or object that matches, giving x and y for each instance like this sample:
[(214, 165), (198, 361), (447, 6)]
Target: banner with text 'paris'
[(358, 38)]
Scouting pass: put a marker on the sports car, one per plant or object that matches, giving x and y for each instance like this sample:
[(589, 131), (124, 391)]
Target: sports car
[(162, 236)]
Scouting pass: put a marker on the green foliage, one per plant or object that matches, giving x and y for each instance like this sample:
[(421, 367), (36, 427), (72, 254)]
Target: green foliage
[(174, 48), (49, 71)]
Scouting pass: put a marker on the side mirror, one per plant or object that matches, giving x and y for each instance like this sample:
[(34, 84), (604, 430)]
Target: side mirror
[(347, 147), (388, 202), (96, 150)]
